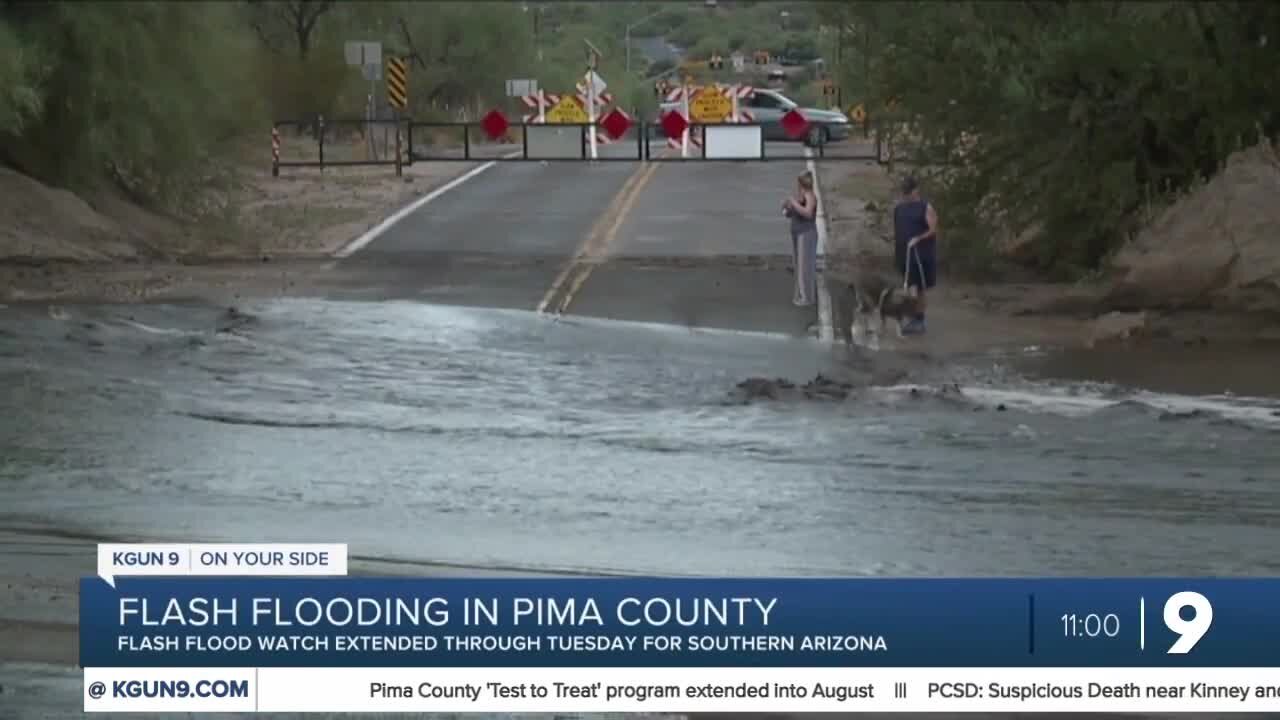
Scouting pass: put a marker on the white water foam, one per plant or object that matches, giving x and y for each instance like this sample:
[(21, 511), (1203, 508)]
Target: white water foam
[(1081, 400)]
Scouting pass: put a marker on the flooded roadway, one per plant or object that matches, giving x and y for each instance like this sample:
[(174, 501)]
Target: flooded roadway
[(503, 438)]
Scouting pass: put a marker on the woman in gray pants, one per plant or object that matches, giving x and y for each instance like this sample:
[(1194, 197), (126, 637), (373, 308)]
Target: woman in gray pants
[(802, 209)]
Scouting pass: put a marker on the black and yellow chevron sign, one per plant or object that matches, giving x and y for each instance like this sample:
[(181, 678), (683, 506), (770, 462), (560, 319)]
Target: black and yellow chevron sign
[(398, 83)]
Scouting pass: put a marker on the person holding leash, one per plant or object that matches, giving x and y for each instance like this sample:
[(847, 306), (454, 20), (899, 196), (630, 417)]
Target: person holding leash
[(915, 233), (802, 210)]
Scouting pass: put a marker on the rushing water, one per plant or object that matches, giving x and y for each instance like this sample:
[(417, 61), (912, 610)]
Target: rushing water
[(501, 438)]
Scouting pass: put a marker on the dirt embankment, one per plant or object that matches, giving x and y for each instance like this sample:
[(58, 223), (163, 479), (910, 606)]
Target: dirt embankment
[(56, 244), (1206, 269)]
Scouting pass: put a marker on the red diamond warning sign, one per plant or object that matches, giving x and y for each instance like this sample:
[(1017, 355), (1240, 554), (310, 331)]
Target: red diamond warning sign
[(495, 124), (616, 124), (674, 124), (794, 124)]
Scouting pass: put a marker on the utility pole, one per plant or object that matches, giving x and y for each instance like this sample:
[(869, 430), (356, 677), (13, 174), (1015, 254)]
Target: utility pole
[(626, 33), (537, 22), (866, 76), (839, 71)]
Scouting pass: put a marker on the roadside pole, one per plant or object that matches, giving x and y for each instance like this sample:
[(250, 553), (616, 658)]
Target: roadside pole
[(372, 119), (593, 62), (542, 106), (399, 166), (275, 151), (684, 137), (591, 111)]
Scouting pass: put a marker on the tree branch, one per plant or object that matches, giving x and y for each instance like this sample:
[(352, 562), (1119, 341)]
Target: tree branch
[(414, 55)]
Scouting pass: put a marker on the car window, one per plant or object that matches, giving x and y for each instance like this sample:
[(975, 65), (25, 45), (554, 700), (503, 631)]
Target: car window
[(760, 100)]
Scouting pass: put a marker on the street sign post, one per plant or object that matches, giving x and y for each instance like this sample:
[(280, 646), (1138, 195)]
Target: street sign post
[(398, 83), (368, 56), (520, 88), (595, 86), (684, 137), (710, 106), (363, 53), (591, 111), (596, 83), (567, 111)]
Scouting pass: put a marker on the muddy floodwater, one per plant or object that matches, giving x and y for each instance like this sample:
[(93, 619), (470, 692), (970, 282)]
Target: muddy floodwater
[(503, 439), (483, 437)]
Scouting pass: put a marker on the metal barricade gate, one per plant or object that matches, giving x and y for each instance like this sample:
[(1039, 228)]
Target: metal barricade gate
[(525, 142), (320, 142), (345, 143)]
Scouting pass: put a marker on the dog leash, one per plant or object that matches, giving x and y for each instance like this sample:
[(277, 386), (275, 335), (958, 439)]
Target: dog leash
[(906, 274)]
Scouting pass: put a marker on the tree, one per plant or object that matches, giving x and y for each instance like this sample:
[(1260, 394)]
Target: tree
[(453, 47), (1062, 119), (21, 78), (276, 20)]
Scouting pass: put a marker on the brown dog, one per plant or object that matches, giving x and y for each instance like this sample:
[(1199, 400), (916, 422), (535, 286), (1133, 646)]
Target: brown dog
[(876, 296)]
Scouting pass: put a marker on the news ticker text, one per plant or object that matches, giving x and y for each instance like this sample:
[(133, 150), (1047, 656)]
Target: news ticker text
[(681, 690)]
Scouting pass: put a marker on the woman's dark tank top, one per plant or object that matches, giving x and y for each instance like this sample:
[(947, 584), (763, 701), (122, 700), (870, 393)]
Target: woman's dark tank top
[(911, 219)]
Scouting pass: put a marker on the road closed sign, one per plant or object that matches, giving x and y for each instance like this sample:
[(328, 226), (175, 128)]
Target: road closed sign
[(710, 106), (567, 111)]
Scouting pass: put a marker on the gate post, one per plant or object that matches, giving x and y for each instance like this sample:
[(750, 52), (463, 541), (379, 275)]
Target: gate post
[(321, 123), (399, 158), (275, 151)]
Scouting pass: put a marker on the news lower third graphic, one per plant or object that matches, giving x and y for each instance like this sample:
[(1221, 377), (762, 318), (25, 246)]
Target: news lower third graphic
[(283, 628)]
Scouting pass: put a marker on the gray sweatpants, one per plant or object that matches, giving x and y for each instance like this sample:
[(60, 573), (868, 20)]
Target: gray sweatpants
[(804, 255)]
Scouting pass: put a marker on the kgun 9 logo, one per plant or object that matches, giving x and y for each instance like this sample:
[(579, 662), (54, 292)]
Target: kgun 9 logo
[(1189, 630)]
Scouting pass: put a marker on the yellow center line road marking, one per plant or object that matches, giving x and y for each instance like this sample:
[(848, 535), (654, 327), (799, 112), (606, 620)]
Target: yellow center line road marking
[(596, 227), (609, 236), (593, 238)]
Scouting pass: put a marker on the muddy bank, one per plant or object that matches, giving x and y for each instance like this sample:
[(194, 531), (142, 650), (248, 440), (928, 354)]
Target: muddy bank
[(57, 245)]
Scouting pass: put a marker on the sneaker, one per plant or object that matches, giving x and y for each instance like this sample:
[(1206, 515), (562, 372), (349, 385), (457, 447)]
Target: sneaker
[(913, 327)]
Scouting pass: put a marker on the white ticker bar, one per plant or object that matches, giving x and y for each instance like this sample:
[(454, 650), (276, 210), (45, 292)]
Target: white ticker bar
[(682, 690)]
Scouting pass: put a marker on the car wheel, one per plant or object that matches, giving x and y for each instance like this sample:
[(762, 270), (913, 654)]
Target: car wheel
[(817, 136)]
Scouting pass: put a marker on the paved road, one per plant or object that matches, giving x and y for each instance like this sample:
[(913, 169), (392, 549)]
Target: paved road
[(694, 243)]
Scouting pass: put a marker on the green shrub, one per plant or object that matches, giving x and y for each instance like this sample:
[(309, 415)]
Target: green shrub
[(1083, 112), (139, 93)]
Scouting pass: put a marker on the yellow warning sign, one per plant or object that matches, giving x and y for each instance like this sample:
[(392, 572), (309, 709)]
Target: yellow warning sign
[(709, 106), (567, 111), (857, 113), (398, 83)]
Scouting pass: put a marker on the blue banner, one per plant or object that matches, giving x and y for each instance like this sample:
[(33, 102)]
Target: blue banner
[(367, 622)]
